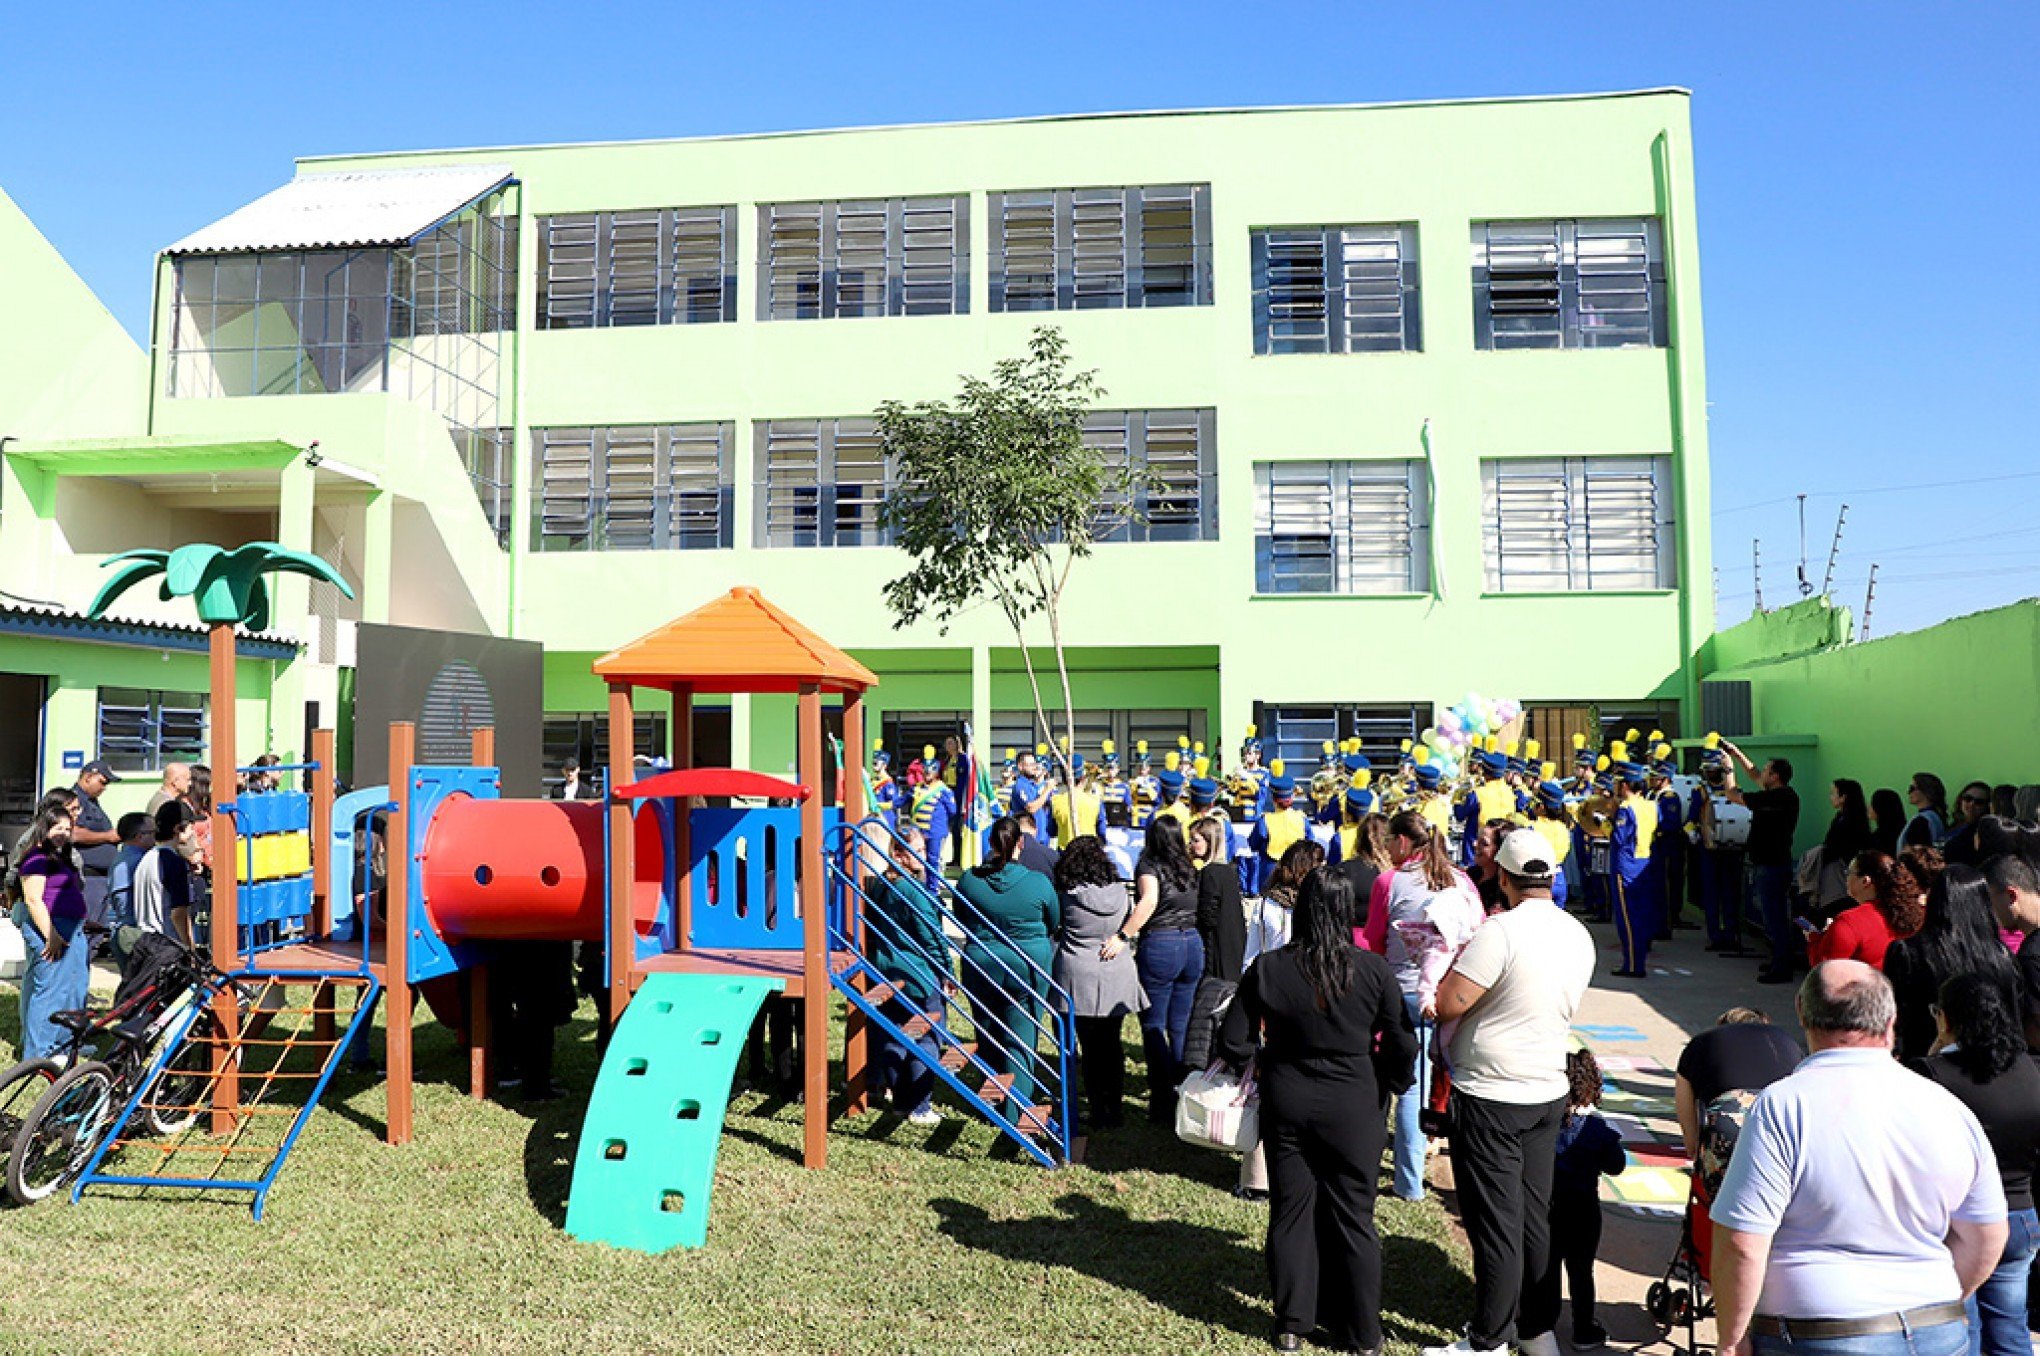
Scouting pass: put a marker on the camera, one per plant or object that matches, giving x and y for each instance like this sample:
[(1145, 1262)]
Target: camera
[(1714, 774)]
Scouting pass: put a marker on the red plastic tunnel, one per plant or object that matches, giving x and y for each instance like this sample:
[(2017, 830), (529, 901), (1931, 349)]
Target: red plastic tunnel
[(529, 870)]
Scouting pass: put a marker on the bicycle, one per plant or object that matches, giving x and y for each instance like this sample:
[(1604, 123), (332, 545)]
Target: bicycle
[(111, 1052)]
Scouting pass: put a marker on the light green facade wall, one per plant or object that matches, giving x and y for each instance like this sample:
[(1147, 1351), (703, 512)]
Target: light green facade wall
[(67, 368), (1956, 700), (1440, 166)]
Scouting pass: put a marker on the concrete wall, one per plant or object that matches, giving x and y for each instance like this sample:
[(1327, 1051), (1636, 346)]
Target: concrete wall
[(1956, 699)]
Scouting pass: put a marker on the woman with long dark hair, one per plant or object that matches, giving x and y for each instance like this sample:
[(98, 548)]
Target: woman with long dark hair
[(1983, 1061), (1095, 906), (1972, 807), (1958, 937), (1887, 816), (1928, 796), (1334, 1042), (56, 972), (1013, 916), (1406, 895), (1848, 833), (1170, 957), (1885, 904)]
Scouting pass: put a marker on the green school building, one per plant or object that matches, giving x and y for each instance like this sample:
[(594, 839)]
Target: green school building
[(1421, 385)]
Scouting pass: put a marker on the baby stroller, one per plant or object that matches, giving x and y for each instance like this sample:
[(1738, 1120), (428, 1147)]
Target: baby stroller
[(1682, 1297)]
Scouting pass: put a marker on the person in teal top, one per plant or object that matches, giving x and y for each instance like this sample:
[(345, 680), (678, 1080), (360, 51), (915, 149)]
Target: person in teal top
[(903, 940), (1012, 915)]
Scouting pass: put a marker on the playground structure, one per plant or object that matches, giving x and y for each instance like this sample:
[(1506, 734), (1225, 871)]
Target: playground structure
[(704, 912)]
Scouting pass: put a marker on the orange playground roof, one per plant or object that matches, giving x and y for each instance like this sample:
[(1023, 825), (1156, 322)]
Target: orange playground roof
[(737, 643)]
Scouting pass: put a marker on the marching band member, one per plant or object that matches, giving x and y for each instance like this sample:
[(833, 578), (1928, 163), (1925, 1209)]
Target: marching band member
[(1169, 803), (1552, 819), (1147, 792), (885, 792), (1427, 799), (1280, 828), (1668, 852), (931, 807), (1248, 785), (1030, 791), (1630, 839), (1076, 810), (1359, 802)]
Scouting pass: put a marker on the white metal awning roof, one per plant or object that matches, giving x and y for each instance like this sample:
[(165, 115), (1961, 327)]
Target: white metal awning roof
[(351, 209)]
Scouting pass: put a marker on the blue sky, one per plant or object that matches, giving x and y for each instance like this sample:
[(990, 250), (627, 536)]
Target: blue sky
[(1867, 181)]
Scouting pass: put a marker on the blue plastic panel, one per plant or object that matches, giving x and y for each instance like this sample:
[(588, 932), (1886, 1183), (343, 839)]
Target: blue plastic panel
[(275, 812), (343, 876), (431, 787), (742, 877), (665, 931)]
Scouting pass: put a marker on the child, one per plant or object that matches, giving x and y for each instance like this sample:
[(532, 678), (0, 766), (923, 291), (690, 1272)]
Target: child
[(1587, 1147), (1434, 942), (137, 835), (162, 880)]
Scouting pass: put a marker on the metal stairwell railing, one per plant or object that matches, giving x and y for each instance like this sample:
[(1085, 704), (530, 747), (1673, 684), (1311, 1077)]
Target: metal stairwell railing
[(960, 924)]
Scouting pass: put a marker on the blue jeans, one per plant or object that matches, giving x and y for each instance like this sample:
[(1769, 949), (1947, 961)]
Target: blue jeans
[(1410, 1141), (1170, 961), (908, 1076), (1766, 889), (1997, 1311), (50, 987), (1943, 1339)]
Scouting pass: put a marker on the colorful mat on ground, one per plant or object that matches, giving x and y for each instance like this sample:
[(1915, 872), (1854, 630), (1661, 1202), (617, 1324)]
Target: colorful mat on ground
[(1638, 1099)]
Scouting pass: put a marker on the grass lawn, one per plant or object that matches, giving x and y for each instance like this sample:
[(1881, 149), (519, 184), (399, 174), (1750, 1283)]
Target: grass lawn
[(914, 1241)]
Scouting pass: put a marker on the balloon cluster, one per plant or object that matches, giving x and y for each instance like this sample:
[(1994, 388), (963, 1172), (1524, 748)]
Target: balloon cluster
[(1464, 724)]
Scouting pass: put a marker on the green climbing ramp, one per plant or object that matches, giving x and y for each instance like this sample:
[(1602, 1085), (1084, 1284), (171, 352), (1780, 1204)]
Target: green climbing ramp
[(647, 1156)]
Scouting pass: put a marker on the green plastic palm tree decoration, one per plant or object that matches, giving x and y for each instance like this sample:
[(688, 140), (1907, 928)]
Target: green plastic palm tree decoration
[(226, 586)]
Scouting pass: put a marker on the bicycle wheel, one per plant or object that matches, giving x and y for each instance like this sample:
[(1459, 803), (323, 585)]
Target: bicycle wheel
[(173, 1102), (59, 1135), (21, 1087)]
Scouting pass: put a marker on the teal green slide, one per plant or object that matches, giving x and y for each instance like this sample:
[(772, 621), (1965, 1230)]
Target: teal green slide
[(647, 1156)]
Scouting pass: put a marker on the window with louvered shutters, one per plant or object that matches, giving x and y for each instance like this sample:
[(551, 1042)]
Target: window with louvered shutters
[(1569, 284), (1358, 527), (1578, 523), (1177, 450), (662, 487), (1101, 248), (821, 482), (859, 483), (655, 266), (1297, 733), (877, 257), (1336, 289)]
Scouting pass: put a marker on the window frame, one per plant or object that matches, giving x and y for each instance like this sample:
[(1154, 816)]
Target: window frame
[(1342, 479), (152, 745), (1099, 247), (777, 442), (1568, 487), (1275, 250), (630, 268), (1140, 437), (828, 248), (645, 459), (1581, 269)]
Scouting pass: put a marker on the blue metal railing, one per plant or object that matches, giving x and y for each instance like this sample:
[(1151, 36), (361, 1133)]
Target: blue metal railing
[(1051, 1021)]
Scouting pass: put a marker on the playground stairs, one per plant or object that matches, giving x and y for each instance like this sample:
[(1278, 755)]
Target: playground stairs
[(979, 1067), (221, 1113)]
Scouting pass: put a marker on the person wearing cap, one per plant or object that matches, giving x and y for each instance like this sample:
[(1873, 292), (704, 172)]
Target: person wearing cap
[(1115, 793), (1030, 794), (1170, 783), (1427, 799), (1282, 826), (1076, 810), (885, 792), (1552, 820), (94, 835), (1146, 791), (1631, 834), (1595, 819), (1247, 788), (1513, 992), (1668, 852), (1490, 798), (931, 807)]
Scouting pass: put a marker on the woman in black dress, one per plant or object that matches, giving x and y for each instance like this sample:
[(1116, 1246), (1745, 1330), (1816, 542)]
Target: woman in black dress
[(1326, 1023)]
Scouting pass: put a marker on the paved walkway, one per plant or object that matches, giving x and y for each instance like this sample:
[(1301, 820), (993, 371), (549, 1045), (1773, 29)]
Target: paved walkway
[(1637, 1029)]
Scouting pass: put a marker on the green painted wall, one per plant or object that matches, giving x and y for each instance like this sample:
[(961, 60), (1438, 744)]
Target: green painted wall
[(75, 671), (67, 368), (1955, 699), (1440, 166)]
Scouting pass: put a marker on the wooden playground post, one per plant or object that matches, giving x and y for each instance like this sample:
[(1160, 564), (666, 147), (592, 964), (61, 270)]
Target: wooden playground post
[(683, 815), (397, 936), (324, 1024), (856, 1029), (622, 745), (482, 754), (226, 917), (814, 937)]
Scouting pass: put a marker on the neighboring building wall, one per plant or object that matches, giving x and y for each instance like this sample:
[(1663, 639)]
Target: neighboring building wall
[(1956, 699), (67, 368)]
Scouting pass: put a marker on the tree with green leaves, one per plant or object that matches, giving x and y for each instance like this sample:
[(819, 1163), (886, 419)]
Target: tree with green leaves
[(997, 497)]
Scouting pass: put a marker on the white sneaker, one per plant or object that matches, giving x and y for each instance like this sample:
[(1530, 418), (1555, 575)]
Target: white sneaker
[(1462, 1347), (1543, 1344), (927, 1115)]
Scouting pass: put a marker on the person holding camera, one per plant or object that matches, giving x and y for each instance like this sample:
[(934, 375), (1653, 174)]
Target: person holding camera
[(1768, 858)]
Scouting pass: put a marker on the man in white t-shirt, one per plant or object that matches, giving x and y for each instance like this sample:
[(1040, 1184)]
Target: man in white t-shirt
[(1513, 991)]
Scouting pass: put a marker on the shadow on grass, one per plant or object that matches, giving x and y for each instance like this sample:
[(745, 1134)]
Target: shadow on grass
[(1207, 1275)]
